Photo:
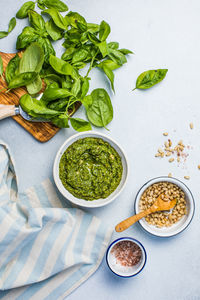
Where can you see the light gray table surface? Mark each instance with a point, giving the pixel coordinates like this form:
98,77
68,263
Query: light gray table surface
162,34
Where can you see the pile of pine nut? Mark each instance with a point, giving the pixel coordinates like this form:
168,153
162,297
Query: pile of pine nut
168,191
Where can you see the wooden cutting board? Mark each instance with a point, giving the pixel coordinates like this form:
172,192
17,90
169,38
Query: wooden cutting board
41,131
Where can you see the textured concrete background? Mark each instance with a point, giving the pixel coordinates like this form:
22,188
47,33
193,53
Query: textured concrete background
163,34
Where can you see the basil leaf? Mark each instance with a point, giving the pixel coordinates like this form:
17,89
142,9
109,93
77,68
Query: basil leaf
93,28
40,4
22,80
61,121
84,87
125,51
3,34
12,68
84,38
118,57
27,36
62,67
59,105
46,70
36,21
47,48
66,83
54,31
149,78
68,54
113,45
87,101
76,87
110,64
99,108
57,4
12,24
23,11
36,108
58,19
79,65
104,31
51,84
34,87
54,78
103,48
72,39
83,29
92,37
51,94
79,55
1,66
75,20
80,125
32,60
67,43
109,73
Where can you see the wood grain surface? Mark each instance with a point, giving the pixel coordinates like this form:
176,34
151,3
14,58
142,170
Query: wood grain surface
41,131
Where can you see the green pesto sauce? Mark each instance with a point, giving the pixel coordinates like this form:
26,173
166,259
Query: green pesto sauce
90,169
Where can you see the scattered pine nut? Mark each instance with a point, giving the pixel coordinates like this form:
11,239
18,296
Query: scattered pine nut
176,152
191,126
170,143
199,167
170,175
168,154
180,143
166,144
165,133
187,177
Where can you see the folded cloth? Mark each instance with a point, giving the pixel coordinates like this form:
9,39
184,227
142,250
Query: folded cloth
46,250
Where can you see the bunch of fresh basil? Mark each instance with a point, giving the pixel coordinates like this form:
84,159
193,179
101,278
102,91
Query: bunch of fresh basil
85,44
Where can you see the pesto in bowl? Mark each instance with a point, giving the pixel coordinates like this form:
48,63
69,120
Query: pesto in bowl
90,169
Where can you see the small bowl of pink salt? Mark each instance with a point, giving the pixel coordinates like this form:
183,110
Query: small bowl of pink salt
126,257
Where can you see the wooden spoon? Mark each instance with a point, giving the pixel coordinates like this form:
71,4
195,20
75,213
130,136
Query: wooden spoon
158,205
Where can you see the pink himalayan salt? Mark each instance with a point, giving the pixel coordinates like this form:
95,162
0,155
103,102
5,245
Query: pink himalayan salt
127,253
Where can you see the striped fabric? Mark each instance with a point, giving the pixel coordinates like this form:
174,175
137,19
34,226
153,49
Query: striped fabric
46,250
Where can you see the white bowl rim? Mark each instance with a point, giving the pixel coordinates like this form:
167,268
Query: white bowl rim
83,202
177,182
134,241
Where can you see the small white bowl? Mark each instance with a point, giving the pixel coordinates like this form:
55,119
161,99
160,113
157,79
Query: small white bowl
122,271
82,202
180,225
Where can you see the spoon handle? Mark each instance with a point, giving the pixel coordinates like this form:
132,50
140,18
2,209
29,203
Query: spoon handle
131,220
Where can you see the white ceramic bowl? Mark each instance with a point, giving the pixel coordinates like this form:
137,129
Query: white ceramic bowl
82,202
180,225
121,270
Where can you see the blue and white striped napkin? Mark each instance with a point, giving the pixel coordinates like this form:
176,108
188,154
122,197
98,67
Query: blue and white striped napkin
46,250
